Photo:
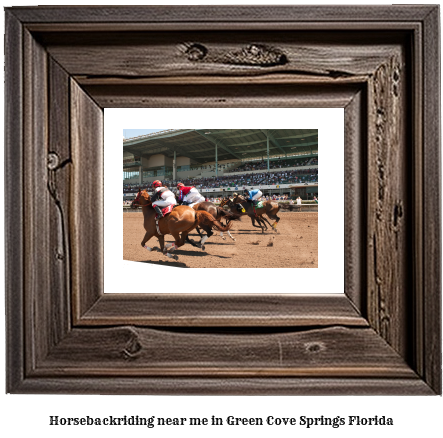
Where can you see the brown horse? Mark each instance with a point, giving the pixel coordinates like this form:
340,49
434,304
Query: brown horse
219,213
178,223
254,218
270,208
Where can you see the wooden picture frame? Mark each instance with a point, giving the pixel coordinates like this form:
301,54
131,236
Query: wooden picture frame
65,64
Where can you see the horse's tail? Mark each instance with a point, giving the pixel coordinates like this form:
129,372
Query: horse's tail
204,218
228,215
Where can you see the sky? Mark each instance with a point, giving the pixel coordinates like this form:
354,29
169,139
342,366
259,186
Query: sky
129,133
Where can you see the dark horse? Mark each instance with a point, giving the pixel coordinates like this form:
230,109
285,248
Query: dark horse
181,220
270,208
218,213
233,208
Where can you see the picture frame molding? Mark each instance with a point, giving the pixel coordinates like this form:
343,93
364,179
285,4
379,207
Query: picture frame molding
64,335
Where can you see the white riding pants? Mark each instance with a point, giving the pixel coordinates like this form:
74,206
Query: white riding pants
170,200
193,197
258,195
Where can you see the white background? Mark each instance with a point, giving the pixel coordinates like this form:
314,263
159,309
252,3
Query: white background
328,278
28,414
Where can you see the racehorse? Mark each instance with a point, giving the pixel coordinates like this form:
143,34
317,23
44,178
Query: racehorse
218,213
233,207
270,208
182,219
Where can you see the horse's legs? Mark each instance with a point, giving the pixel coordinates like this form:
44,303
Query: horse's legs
179,240
275,218
274,225
263,218
204,238
262,224
184,238
161,240
191,241
221,232
148,235
169,247
253,219
229,233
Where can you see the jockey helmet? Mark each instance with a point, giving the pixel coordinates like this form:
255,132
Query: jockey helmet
180,185
235,194
157,183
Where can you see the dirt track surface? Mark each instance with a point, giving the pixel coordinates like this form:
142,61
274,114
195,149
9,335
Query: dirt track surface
295,245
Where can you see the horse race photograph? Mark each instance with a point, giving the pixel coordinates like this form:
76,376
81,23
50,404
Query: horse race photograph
221,198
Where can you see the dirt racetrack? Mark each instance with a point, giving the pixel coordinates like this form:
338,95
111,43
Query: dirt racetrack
294,246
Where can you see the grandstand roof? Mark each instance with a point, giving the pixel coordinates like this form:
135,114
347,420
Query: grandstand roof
240,144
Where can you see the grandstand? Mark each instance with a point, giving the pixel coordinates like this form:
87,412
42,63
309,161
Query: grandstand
220,161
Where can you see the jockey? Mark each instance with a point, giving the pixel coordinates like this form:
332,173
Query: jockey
239,206
189,195
161,198
253,196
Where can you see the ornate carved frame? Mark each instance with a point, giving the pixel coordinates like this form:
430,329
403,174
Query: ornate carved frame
64,65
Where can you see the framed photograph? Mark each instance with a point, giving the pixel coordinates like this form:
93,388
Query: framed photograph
302,241
380,334
243,177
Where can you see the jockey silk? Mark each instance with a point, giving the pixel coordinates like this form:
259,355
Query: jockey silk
166,198
165,193
190,195
184,191
253,193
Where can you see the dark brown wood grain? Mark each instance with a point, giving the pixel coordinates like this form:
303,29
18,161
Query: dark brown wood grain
388,273
225,15
108,56
239,310
354,196
230,95
167,385
129,351
86,196
14,263
37,201
430,318
64,65
59,172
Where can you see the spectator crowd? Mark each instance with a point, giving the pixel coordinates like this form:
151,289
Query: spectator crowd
275,164
271,177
